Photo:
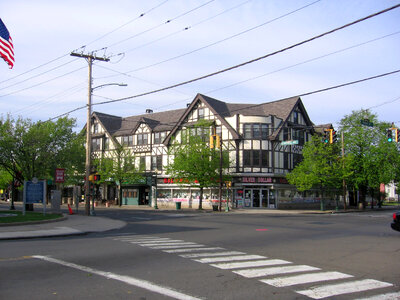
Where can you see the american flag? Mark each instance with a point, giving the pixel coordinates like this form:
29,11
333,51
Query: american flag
6,45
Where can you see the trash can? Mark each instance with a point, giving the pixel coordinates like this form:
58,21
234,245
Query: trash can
215,207
178,205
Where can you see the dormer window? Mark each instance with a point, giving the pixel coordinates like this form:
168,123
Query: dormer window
127,140
142,139
255,131
200,112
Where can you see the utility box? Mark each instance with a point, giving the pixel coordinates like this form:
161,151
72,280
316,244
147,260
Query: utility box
55,199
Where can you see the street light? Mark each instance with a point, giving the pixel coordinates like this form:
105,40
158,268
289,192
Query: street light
89,209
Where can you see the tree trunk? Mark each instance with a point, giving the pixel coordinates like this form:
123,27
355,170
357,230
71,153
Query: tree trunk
119,195
201,198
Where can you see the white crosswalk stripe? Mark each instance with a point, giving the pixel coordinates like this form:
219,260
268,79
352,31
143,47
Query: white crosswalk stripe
167,243
211,254
249,264
154,241
305,278
177,246
325,291
388,296
253,273
257,266
194,250
228,258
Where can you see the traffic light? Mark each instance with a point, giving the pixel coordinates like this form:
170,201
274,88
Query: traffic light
332,136
326,136
397,135
211,141
94,177
390,135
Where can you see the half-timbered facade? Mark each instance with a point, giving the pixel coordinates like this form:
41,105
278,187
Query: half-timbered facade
264,142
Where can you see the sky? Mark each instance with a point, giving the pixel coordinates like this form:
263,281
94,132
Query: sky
154,44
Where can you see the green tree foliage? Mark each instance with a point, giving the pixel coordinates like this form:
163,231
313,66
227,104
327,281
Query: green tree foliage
320,168
372,159
29,149
194,163
118,168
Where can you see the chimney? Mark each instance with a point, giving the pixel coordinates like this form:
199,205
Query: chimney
149,111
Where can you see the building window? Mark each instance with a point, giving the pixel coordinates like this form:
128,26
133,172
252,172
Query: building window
142,139
96,128
296,117
255,158
159,137
255,131
106,143
156,162
286,160
200,113
142,163
127,140
96,144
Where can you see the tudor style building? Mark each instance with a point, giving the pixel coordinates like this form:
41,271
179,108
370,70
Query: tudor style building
264,142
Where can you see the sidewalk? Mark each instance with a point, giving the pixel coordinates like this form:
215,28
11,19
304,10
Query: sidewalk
69,225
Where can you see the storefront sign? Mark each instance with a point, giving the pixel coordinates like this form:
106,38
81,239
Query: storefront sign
257,180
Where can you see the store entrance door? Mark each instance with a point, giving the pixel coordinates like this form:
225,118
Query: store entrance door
260,198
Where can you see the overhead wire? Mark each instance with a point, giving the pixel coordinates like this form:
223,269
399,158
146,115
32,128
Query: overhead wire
255,59
159,25
223,40
187,27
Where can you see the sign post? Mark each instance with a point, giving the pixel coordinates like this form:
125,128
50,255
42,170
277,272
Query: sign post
34,192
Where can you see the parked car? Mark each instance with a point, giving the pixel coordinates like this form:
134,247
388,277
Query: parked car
396,221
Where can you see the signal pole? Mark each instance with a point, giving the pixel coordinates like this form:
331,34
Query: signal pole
89,57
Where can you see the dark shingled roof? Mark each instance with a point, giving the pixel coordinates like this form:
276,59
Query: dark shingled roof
168,120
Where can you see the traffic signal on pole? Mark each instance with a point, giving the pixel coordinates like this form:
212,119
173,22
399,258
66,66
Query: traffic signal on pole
211,141
332,136
397,135
326,136
390,135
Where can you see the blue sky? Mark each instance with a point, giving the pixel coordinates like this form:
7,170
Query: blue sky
148,52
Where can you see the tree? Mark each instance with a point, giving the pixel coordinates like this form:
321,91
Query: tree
29,149
119,167
321,167
194,163
372,159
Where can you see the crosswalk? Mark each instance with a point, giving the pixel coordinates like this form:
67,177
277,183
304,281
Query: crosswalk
310,281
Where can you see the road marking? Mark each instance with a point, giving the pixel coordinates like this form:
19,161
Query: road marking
252,273
154,241
193,250
211,254
324,291
144,284
15,258
249,264
176,246
228,258
388,296
305,278
167,243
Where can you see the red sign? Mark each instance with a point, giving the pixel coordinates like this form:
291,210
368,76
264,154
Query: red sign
60,175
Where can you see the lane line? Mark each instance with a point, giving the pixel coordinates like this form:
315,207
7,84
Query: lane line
252,273
228,258
193,250
305,278
144,284
211,254
324,291
249,264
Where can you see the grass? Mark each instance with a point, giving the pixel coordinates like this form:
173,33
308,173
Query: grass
15,216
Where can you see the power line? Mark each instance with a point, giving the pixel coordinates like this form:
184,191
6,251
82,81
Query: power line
225,39
255,59
159,25
187,27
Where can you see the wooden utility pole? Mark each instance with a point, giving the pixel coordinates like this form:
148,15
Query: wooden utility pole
344,180
89,57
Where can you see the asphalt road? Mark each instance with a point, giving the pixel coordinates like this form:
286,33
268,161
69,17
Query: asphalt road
186,255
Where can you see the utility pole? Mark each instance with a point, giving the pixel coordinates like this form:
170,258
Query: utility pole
344,180
89,58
